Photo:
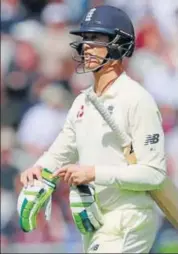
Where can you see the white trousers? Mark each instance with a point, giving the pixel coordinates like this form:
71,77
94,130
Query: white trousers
124,231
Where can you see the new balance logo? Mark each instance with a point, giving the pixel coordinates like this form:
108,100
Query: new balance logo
152,139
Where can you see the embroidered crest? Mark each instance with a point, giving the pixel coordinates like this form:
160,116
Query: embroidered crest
110,109
80,112
90,14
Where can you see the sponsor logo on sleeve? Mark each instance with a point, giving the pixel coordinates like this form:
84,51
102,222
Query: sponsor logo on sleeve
152,139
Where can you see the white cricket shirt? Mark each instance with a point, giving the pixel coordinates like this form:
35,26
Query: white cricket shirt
87,139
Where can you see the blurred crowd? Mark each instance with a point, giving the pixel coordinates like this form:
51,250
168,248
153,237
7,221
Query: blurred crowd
39,84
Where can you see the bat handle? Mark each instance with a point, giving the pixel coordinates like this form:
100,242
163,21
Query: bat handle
129,154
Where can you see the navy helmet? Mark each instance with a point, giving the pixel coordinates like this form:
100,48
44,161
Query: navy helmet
111,21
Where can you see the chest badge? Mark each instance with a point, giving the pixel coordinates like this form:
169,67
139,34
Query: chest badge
80,113
110,109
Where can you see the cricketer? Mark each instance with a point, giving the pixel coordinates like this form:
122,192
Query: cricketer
109,199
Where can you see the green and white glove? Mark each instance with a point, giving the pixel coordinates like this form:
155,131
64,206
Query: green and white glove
85,210
33,198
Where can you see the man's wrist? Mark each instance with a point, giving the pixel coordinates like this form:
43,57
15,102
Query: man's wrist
90,174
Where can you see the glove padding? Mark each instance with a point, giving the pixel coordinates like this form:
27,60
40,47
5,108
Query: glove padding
85,211
33,198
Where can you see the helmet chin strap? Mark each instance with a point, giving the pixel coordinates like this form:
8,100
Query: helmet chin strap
105,61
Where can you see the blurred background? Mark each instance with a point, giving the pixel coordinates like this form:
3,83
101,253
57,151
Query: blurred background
38,85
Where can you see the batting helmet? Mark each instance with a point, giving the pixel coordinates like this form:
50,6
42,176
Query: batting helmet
111,21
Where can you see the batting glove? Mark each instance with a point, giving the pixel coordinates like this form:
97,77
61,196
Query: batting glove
85,211
33,198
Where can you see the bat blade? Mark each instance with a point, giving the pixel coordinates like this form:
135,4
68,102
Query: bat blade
166,197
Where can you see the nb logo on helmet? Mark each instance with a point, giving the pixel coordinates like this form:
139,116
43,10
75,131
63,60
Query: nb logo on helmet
90,14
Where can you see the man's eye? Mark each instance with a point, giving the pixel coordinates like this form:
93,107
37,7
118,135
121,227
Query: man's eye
94,38
91,38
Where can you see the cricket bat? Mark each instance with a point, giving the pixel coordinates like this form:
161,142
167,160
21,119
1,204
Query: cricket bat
167,196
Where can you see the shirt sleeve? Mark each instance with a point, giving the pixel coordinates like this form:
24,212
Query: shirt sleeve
148,143
63,151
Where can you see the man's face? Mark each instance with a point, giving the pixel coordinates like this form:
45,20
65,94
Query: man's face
94,54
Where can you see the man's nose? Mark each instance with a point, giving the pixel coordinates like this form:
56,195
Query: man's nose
87,46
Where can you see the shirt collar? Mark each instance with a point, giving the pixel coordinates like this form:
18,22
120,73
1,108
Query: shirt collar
112,91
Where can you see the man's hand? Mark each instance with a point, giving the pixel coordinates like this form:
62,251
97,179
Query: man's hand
76,174
27,177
